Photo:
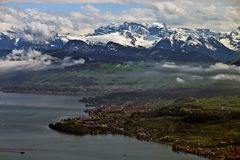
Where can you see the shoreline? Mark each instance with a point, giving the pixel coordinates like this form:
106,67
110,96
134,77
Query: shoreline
170,93
105,115
130,121
48,93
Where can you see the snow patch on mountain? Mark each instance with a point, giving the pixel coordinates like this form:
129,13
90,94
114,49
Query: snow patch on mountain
126,34
227,43
112,37
210,47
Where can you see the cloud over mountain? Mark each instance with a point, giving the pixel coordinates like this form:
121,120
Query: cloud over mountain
217,15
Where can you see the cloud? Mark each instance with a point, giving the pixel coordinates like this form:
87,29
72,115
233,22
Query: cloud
25,60
196,73
199,14
68,61
196,77
226,77
62,1
90,9
218,71
31,56
180,80
35,31
80,1
208,10
31,24
218,67
184,68
221,66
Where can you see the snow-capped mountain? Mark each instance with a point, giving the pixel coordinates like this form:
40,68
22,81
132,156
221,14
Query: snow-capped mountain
9,41
136,35
149,35
231,40
128,34
133,39
217,45
6,42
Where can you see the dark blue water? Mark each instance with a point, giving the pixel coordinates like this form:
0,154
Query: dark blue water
24,122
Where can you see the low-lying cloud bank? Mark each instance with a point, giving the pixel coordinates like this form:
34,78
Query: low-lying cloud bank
33,56
196,72
22,60
227,77
25,60
199,68
32,60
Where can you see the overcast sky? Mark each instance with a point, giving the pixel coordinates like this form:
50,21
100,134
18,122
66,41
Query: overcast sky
41,17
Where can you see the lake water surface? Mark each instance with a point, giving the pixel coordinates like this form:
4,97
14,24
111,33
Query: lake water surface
24,120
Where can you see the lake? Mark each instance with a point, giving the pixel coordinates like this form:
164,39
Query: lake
24,120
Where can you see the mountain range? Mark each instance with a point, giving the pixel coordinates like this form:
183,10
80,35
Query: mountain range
134,42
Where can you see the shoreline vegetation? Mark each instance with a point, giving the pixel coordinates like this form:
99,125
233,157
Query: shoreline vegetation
204,126
207,125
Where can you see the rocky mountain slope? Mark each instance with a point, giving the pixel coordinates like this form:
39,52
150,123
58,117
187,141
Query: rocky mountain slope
135,41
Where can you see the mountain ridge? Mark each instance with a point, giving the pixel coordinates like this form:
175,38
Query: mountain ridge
139,40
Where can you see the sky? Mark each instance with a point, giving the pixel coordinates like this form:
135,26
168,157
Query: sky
79,17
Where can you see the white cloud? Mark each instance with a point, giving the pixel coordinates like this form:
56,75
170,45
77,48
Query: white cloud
31,23
216,15
226,67
90,9
22,60
226,77
180,80
185,68
29,55
196,77
218,67
68,61
35,31
218,71
25,60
